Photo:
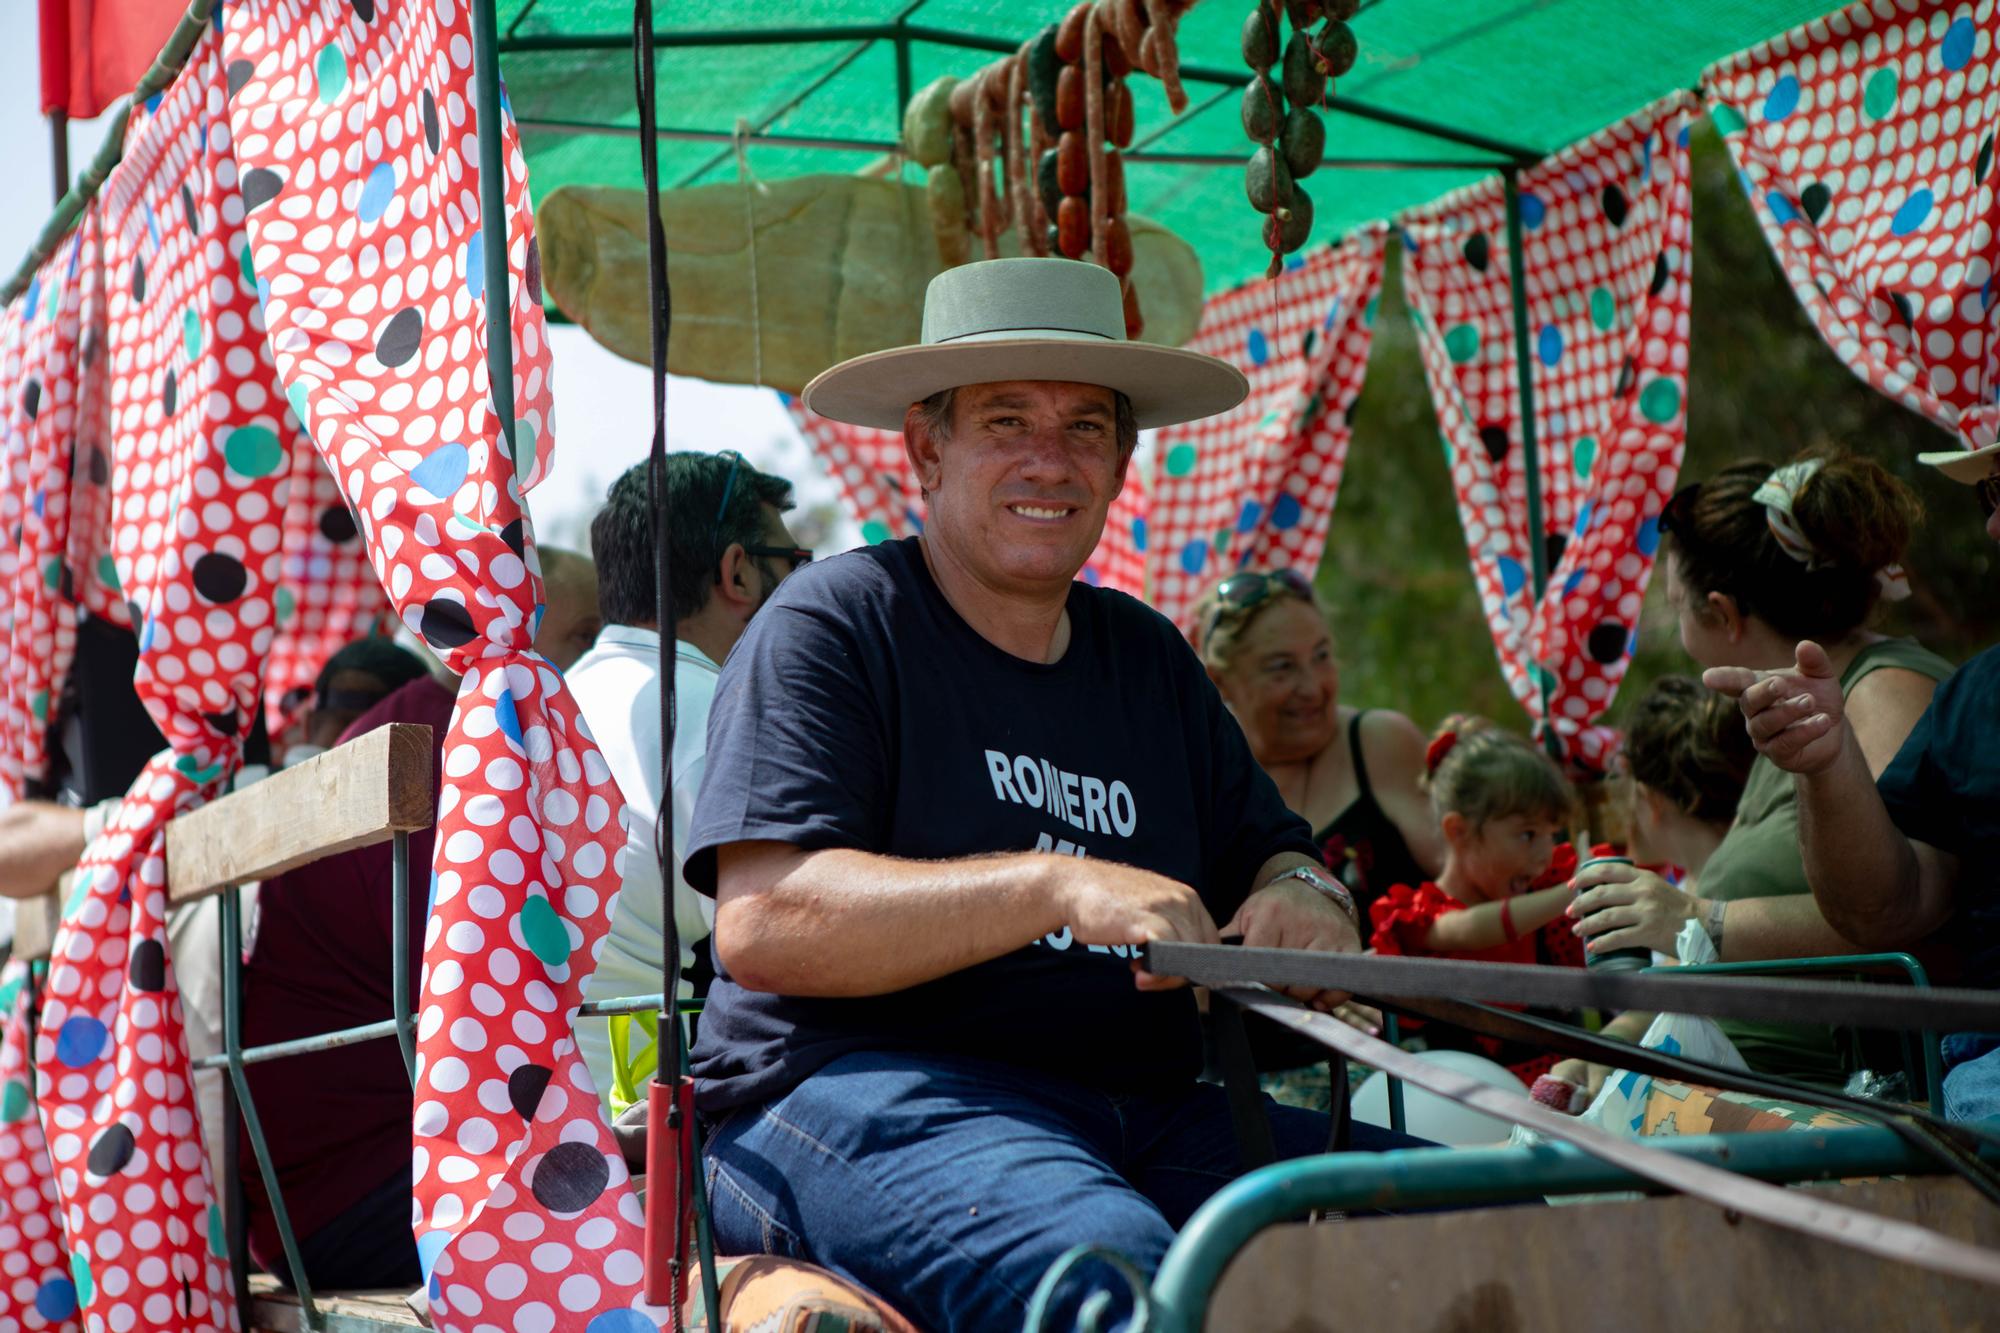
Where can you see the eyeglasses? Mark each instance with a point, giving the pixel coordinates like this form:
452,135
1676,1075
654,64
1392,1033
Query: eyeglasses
1242,592
798,555
1988,489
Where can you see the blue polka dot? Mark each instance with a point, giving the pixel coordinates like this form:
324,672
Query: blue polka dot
1409,241
1648,540
1139,534
1285,512
34,294
507,716
443,471
1781,208
1092,577
1583,517
376,194
1252,511
1571,583
1916,210
1956,48
152,226
1259,351
81,1041
621,1321
916,520
475,266
55,1301
1683,139
1549,345
429,1246
1295,263
1533,210
431,898
1194,556
41,504
1783,98
1512,579
146,635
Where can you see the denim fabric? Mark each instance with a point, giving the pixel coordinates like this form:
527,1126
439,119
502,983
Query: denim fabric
948,1185
1972,1076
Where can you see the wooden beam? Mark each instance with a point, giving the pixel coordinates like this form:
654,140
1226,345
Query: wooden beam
35,922
352,796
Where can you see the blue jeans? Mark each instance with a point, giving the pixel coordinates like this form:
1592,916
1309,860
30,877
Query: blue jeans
948,1185
1972,1076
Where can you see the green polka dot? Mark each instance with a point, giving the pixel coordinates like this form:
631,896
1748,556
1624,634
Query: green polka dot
331,71
52,572
39,705
1180,460
107,573
1221,543
14,1102
284,604
1603,308
1417,317
79,890
875,532
525,441
253,451
1544,679
249,269
1726,119
543,931
1462,343
1660,400
55,291
295,394
1583,454
191,332
9,993
79,1271
1878,95
194,769
1369,311
1445,440
218,1244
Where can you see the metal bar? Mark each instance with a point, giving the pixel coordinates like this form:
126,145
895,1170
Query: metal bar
1340,163
235,1206
1392,1032
1437,1178
553,126
493,216
704,1220
697,38
1531,458
59,151
1856,1004
526,10
399,949
232,1047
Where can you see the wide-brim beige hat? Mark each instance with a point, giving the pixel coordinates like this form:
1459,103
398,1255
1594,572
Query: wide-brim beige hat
1026,319
1970,466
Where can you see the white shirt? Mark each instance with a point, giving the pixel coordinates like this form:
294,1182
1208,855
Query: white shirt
615,685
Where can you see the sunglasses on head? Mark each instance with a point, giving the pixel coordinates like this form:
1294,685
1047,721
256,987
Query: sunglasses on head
1242,592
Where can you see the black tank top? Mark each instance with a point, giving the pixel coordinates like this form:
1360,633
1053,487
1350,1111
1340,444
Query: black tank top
1361,845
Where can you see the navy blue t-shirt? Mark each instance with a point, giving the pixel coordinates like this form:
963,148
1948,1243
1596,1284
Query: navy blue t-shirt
1943,788
860,711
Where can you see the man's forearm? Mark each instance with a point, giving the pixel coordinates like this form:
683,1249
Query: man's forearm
1862,870
39,840
1790,927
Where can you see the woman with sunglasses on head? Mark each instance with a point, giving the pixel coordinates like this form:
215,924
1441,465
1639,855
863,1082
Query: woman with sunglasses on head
1758,559
1351,773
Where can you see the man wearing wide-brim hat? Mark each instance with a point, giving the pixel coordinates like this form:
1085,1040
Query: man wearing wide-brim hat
1894,859
950,790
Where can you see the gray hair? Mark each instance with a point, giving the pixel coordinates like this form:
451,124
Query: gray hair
935,413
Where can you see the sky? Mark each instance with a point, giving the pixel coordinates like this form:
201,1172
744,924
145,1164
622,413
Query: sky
603,418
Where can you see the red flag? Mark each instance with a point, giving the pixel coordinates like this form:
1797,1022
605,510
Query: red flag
93,51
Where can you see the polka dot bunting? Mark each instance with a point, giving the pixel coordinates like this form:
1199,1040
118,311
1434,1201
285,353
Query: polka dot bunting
1887,148
379,333
1607,270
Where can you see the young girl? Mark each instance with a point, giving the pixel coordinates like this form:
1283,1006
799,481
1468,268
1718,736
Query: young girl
1505,810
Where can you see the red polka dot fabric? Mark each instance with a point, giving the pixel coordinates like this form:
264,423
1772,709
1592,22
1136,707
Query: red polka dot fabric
356,146
1607,256
1866,145
36,1288
880,489
1254,488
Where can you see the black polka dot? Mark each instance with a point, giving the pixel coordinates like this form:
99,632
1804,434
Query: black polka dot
400,337
1607,641
65,581
220,578
570,1176
110,1150
1905,308
1615,207
1306,343
187,207
170,393
149,967
1495,440
138,278
100,466
69,463
239,73
363,9
31,399
336,524
430,120
1314,403
446,624
534,270
92,347
1478,251
512,535
228,724
1814,199
1627,376
1985,162
260,186
1553,546
525,1086
1660,275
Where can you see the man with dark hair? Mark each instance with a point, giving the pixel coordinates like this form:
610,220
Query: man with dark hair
728,550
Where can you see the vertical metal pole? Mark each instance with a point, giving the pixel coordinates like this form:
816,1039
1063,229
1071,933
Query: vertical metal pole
236,1216
1393,1034
1531,459
59,151
903,76
399,936
493,213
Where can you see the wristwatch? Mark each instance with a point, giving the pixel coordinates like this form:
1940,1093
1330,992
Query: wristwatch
1315,878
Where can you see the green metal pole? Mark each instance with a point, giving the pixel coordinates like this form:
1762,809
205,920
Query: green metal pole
493,214
399,948
1531,458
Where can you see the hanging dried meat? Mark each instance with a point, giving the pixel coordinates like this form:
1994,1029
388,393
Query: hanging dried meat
1291,79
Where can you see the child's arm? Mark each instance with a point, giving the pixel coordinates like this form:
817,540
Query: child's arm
1474,929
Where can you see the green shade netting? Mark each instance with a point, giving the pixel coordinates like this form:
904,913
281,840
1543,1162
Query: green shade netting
1535,75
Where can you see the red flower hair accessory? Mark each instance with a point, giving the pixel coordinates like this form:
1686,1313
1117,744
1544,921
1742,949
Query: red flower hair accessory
1439,748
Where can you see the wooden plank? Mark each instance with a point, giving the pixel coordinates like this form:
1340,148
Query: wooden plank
275,1310
35,922
352,796
1650,1266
